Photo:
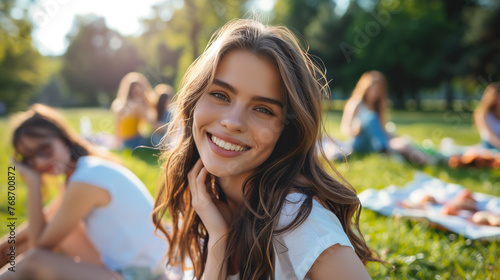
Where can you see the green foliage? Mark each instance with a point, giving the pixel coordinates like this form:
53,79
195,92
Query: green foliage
178,34
22,68
96,60
418,44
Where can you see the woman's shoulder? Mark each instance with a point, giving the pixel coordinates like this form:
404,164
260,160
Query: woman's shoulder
300,245
94,166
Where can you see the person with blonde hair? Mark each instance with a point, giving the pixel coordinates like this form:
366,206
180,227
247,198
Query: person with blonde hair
364,120
246,190
487,117
134,109
101,218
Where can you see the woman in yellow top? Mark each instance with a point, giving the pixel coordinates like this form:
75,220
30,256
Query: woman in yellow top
134,110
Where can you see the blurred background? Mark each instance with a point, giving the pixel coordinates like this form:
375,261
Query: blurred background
438,57
437,54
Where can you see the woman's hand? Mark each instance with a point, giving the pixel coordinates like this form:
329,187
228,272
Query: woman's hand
31,177
206,205
209,209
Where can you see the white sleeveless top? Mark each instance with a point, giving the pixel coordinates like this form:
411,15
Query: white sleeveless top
122,231
494,124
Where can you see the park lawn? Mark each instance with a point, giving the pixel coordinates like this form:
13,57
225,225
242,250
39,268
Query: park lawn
415,250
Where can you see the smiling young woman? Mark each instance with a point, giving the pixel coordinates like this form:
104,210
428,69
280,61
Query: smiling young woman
245,187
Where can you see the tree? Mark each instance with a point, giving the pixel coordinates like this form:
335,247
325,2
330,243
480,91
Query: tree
483,43
96,60
178,34
21,66
417,46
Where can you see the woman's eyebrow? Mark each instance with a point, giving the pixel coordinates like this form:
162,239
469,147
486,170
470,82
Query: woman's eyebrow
268,100
225,85
256,98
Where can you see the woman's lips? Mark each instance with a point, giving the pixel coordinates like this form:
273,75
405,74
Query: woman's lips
230,149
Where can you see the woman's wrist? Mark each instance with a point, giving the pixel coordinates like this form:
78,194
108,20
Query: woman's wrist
217,243
34,184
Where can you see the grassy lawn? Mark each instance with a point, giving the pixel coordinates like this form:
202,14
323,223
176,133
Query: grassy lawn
415,249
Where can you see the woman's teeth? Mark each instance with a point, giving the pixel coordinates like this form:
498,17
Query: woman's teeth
226,145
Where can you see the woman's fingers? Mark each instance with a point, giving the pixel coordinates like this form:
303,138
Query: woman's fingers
203,203
196,179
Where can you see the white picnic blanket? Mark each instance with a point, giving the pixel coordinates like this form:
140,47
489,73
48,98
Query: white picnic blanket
387,202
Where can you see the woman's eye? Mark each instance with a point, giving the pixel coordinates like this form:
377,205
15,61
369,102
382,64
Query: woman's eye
220,96
264,110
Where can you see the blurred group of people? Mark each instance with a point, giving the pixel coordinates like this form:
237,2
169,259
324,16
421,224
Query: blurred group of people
364,121
141,111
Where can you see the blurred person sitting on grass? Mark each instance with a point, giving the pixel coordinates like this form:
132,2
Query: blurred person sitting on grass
134,107
364,119
100,220
487,117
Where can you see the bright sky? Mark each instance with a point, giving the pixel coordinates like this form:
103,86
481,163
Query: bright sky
53,19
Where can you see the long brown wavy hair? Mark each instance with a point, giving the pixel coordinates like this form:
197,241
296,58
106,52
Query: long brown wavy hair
295,155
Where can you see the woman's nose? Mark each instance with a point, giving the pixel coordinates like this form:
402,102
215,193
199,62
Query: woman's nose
234,119
39,162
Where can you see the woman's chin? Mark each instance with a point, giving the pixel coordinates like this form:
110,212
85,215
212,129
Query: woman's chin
225,170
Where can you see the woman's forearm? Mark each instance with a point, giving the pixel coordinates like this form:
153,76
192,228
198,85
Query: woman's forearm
36,216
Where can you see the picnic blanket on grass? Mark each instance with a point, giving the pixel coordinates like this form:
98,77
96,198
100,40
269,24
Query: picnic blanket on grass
388,202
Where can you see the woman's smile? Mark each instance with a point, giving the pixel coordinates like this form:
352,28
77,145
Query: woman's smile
228,147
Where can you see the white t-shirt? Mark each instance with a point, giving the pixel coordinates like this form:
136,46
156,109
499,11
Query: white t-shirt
122,231
297,250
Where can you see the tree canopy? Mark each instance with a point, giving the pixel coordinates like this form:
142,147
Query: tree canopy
442,46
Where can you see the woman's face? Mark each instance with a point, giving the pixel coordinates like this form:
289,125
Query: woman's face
238,121
136,92
48,155
373,93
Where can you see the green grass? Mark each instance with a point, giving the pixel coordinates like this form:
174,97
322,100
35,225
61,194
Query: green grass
416,250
